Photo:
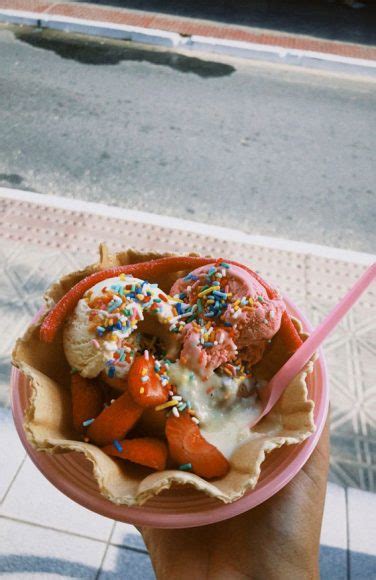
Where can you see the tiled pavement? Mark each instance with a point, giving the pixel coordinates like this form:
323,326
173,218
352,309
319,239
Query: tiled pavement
43,534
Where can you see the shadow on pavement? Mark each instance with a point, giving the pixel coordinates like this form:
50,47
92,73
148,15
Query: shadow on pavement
95,52
329,19
333,565
337,564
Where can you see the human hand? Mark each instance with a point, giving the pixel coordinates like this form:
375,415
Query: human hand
277,540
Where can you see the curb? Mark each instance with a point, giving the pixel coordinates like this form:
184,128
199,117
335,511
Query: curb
273,53
219,232
93,28
289,56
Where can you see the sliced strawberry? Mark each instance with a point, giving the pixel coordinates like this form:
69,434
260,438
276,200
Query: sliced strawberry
144,451
87,400
278,351
115,421
187,446
153,422
144,384
289,334
114,383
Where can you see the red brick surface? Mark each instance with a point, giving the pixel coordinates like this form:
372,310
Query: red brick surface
116,16
33,6
191,27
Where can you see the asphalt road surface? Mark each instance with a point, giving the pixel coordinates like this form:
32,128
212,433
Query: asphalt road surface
266,149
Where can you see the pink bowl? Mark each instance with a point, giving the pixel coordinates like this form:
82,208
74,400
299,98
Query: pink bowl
71,473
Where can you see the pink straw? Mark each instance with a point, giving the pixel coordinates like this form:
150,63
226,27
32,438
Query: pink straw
274,389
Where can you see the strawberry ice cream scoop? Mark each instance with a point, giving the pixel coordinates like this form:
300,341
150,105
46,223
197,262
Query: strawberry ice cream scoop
231,316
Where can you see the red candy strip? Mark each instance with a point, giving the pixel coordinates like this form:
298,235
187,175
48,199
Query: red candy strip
67,303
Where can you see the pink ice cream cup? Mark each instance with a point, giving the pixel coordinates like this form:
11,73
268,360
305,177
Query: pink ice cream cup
71,473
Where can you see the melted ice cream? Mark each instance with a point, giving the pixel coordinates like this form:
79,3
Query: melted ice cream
224,416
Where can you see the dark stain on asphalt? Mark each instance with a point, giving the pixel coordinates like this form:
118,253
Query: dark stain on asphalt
11,178
95,52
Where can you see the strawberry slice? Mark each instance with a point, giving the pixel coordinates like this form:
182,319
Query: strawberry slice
187,446
153,422
143,270
144,384
144,451
87,400
115,421
277,353
114,383
289,335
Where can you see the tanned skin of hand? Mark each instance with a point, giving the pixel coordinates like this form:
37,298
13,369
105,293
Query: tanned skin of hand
278,540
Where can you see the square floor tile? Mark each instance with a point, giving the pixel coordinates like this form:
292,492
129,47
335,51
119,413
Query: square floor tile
28,551
12,452
362,566
332,564
333,549
362,521
34,499
127,535
334,525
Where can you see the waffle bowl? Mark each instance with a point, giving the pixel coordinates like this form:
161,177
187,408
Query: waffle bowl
180,506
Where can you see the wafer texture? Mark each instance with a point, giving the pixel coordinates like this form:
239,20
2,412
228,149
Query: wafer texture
48,419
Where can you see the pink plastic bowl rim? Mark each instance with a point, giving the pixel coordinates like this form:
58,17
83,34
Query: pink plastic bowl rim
143,515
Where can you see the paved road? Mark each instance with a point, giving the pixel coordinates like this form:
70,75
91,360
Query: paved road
269,150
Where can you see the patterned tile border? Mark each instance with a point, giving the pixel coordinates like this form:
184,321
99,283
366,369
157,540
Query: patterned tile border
188,27
57,203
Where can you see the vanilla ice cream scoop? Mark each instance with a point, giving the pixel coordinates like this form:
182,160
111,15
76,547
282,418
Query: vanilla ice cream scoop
100,334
